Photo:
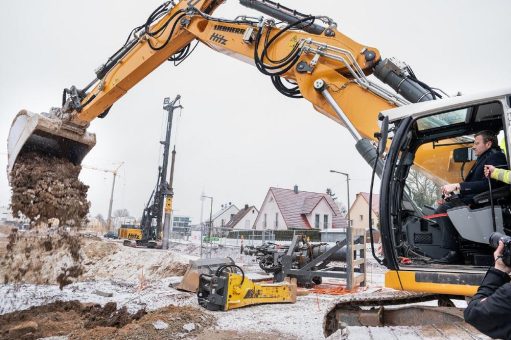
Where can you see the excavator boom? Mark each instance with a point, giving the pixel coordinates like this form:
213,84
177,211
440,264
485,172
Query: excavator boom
305,57
293,53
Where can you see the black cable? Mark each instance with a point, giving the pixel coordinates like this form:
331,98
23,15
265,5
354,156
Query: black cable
276,36
289,60
281,66
414,78
292,92
155,15
225,266
182,54
380,261
161,29
283,60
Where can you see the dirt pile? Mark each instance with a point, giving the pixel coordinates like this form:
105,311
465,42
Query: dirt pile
91,321
113,261
42,258
46,187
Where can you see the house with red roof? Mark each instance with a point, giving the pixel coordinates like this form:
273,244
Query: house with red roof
244,219
285,209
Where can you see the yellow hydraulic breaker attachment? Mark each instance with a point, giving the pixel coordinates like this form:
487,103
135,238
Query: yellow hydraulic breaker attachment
226,290
190,281
48,134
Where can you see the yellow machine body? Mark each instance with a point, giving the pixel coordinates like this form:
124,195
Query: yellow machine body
447,283
248,292
130,233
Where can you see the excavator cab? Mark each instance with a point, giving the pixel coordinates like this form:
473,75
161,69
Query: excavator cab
408,197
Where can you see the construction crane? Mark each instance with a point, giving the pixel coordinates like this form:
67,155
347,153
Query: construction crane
114,172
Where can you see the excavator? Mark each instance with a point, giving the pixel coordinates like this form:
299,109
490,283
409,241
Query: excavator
306,56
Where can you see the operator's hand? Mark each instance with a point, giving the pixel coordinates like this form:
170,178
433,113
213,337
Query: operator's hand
448,188
499,263
488,170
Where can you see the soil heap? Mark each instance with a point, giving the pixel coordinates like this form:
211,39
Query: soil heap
41,258
46,187
91,321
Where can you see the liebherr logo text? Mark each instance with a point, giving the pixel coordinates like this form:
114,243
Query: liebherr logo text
218,38
229,29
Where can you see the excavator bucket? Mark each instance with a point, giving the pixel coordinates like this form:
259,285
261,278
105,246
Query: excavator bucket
43,133
190,281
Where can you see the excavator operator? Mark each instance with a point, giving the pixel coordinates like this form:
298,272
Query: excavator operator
488,152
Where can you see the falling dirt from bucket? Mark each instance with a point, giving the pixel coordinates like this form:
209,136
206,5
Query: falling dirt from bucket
46,187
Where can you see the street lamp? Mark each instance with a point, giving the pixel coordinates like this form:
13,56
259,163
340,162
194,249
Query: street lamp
350,256
210,222
348,185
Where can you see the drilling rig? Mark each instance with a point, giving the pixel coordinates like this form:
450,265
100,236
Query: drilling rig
151,223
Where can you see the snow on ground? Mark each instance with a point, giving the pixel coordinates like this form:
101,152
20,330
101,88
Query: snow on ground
144,278
134,295
304,319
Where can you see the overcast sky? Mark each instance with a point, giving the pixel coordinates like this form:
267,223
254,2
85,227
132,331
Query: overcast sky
236,136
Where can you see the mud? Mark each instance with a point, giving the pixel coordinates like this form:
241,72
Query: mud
45,187
42,257
91,321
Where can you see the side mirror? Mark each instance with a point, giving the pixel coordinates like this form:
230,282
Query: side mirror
384,134
463,155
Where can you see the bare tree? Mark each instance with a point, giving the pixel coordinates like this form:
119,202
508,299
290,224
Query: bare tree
331,193
100,219
423,190
121,213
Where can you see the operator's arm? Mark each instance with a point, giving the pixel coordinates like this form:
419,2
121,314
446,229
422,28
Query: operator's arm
502,175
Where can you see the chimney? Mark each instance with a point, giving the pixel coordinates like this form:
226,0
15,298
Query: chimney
230,203
246,206
296,189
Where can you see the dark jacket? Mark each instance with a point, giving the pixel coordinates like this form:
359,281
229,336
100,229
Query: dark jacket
475,181
493,315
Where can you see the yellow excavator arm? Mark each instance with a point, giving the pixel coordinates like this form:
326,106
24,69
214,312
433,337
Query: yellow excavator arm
303,58
311,57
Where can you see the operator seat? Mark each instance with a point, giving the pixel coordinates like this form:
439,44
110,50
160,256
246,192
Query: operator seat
476,224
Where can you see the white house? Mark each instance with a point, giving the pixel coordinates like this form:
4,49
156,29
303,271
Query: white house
359,213
222,217
244,219
284,209
5,214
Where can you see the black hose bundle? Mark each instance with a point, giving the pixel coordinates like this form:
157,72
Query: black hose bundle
276,68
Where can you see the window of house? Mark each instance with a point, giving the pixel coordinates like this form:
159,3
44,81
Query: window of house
361,217
325,221
223,221
316,222
265,221
276,220
247,224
